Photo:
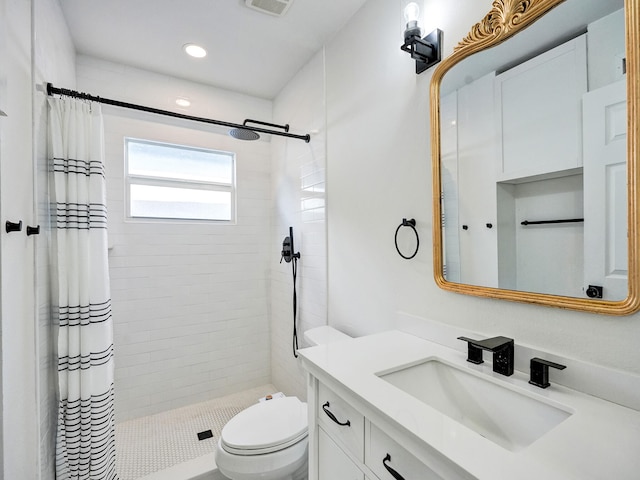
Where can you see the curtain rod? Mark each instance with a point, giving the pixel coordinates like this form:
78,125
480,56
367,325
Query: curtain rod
51,90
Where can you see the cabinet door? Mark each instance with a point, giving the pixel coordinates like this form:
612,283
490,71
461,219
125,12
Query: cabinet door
539,112
341,421
333,463
477,150
389,460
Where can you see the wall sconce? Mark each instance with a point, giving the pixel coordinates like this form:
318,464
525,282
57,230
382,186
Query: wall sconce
425,51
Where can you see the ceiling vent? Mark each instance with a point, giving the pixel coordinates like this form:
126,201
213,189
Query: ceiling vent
270,7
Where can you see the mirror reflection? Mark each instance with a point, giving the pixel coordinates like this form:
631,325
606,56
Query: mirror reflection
533,147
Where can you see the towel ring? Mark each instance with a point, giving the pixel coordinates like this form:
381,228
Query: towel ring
412,224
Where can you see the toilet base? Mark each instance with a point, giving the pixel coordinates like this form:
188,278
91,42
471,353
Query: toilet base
288,464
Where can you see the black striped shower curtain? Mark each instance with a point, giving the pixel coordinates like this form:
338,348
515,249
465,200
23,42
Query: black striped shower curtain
85,439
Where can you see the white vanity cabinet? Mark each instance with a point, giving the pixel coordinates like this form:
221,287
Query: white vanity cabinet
333,462
345,444
395,432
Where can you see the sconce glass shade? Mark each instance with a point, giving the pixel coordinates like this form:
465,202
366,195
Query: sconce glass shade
425,51
411,12
411,15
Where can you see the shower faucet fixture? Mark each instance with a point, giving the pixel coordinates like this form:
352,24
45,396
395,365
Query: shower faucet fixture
288,253
242,133
502,348
425,51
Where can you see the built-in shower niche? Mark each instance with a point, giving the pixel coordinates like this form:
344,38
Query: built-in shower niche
541,257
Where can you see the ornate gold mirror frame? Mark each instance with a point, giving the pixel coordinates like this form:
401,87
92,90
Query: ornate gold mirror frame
506,18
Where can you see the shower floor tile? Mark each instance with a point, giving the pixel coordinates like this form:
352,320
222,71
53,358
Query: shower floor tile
149,444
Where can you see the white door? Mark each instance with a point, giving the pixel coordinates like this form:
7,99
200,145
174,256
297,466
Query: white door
605,190
17,297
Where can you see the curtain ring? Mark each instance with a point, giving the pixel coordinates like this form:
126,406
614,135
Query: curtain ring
407,223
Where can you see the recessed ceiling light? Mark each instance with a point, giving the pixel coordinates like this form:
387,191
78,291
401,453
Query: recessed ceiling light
195,50
183,102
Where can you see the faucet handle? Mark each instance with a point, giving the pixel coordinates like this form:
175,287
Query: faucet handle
474,351
539,375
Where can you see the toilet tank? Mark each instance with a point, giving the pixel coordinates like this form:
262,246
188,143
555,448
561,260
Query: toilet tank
323,335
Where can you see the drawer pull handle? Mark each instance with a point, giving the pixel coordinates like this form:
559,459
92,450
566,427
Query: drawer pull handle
325,407
393,473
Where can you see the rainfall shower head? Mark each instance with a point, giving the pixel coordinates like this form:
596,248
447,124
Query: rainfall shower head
244,134
248,134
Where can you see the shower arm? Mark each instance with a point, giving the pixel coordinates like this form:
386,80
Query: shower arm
258,122
51,90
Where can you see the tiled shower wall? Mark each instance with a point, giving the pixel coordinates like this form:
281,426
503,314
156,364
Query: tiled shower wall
190,300
299,193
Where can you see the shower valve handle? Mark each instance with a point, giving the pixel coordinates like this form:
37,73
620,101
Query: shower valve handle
287,251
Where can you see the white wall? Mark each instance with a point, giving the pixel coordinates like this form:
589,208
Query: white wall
190,301
378,171
29,56
541,250
19,406
54,61
605,50
299,200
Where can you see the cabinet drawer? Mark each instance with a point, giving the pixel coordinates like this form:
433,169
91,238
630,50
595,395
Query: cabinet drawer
341,421
333,463
385,455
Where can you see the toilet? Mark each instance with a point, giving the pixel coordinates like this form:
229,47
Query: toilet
268,440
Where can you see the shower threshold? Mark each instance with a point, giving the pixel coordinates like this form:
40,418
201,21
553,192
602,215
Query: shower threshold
165,446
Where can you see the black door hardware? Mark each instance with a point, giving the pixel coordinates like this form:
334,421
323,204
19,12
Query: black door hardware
594,291
13,227
330,414
33,230
539,375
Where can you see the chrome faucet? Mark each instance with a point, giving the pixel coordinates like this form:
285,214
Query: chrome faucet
502,348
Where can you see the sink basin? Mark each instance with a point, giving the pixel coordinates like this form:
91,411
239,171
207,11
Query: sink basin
490,407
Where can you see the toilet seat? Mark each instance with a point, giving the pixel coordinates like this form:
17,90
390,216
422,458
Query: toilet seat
266,427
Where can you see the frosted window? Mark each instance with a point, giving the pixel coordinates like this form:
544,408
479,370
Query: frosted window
178,182
178,162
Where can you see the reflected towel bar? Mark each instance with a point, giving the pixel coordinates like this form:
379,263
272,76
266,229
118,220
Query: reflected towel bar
540,222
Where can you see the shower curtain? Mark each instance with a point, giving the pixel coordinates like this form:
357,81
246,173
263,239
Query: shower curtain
85,439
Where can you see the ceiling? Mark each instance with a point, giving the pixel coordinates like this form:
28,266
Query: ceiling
248,51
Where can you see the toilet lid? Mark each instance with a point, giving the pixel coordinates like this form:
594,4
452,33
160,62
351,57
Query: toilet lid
266,427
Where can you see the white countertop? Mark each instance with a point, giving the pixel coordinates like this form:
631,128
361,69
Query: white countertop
600,440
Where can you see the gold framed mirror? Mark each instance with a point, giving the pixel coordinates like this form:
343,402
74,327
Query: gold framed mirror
519,216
